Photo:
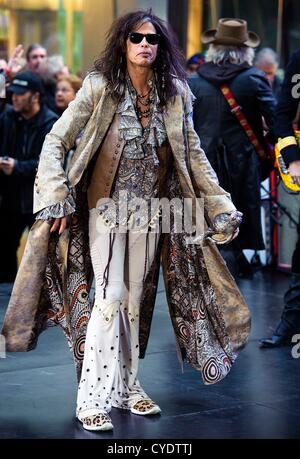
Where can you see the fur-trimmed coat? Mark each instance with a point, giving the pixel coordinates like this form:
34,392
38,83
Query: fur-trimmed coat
210,318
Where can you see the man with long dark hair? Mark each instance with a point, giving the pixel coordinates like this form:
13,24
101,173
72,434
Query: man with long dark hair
138,145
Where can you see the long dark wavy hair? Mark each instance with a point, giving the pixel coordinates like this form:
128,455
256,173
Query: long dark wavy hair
169,63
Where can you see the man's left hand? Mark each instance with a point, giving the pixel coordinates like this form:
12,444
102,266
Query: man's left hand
8,165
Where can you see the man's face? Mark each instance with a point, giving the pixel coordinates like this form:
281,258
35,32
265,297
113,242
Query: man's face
142,54
192,68
270,71
35,58
22,103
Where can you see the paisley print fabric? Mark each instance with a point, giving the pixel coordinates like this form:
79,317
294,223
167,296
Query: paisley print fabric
71,283
52,286
197,320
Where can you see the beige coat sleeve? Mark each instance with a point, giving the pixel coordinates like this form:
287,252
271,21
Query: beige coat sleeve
51,179
205,181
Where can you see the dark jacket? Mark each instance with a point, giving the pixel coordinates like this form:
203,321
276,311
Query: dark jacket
276,86
226,144
22,139
287,106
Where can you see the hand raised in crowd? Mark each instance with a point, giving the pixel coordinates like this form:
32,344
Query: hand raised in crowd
3,70
3,65
15,63
60,223
7,165
294,170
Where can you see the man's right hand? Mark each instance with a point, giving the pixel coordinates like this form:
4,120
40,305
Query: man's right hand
294,170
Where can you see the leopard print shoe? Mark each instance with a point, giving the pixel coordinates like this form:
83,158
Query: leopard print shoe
100,421
145,407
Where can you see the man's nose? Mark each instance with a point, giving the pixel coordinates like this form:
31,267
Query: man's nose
144,42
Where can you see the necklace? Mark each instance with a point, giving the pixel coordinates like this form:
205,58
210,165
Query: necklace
143,113
142,100
145,102
140,96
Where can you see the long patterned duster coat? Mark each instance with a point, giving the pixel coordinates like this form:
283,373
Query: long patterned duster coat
210,318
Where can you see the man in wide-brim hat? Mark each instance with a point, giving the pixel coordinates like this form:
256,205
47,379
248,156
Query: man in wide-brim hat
229,61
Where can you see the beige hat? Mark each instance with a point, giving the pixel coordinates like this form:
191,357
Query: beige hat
231,32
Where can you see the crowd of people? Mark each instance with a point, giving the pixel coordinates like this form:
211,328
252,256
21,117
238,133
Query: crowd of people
38,90
236,97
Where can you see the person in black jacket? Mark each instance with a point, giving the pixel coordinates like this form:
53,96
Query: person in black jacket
23,127
267,61
229,150
286,113
3,83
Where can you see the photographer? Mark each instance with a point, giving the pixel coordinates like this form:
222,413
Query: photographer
23,128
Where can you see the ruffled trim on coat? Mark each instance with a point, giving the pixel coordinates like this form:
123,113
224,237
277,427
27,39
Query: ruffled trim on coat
59,210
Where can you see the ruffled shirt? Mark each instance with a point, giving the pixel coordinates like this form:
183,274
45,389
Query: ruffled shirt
136,181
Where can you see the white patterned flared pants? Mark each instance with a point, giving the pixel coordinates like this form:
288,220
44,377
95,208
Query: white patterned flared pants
110,366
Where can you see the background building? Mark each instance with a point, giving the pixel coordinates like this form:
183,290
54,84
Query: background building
73,28
76,28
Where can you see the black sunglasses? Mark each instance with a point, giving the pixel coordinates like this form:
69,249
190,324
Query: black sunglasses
136,37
